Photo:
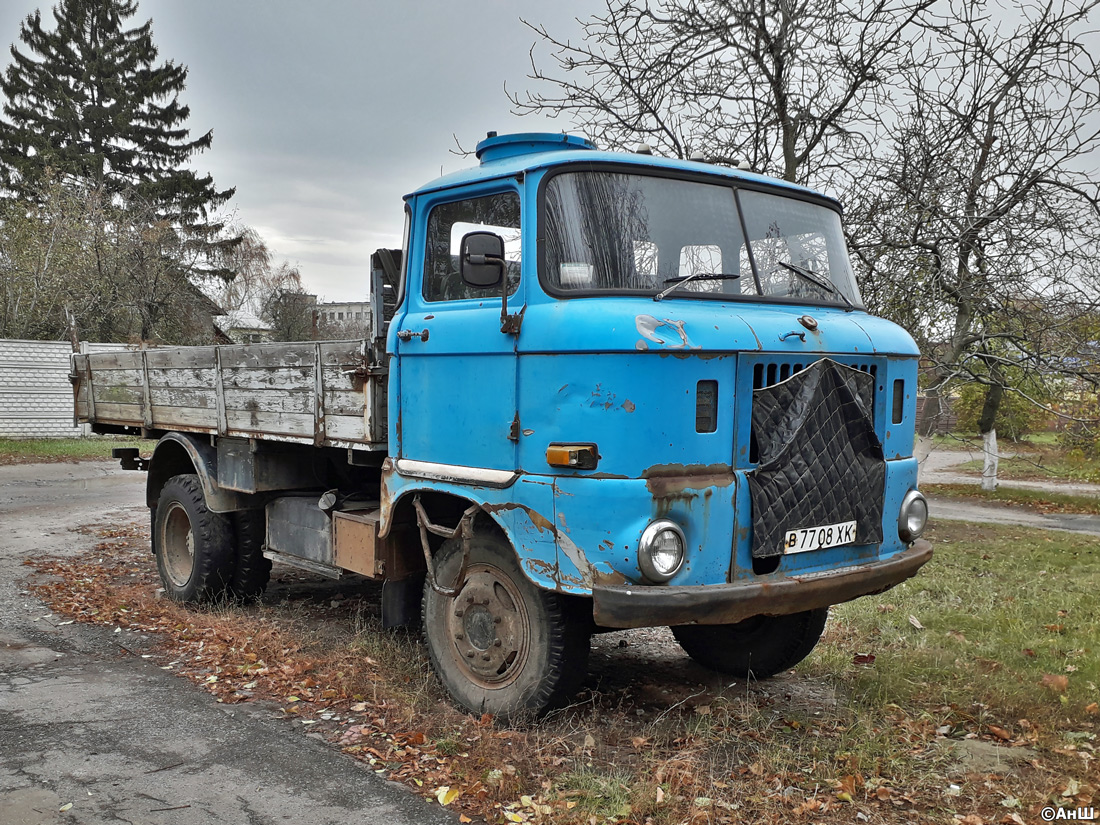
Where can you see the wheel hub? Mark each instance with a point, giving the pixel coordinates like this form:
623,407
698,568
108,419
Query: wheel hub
179,546
489,626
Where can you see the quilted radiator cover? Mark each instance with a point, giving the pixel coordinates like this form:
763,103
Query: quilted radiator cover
820,460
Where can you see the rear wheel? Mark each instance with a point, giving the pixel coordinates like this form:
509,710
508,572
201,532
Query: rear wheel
502,645
193,546
761,646
252,570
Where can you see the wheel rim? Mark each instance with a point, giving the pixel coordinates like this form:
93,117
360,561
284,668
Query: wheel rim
177,543
489,627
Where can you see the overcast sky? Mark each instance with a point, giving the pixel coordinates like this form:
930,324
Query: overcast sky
326,113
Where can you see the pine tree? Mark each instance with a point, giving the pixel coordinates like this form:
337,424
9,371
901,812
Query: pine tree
89,105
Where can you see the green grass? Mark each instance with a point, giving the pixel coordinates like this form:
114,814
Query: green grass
33,450
1031,442
1002,609
1048,465
1040,500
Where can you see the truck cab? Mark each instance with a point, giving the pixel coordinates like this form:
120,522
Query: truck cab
661,391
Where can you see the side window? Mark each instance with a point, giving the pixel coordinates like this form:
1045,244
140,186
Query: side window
448,223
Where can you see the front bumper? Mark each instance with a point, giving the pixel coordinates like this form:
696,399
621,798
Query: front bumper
653,606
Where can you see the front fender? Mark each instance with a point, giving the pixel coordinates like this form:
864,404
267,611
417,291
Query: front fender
523,508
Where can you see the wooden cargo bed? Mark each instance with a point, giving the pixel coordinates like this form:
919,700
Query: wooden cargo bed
324,393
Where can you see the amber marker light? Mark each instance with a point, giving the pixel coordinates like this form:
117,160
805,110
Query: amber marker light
573,456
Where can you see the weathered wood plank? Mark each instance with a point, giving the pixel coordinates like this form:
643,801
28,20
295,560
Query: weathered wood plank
201,358
118,393
175,417
115,413
270,378
122,359
347,428
200,398
258,422
293,401
117,377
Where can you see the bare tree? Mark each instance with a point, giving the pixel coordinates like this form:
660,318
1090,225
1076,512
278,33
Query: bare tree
288,308
957,132
796,88
981,230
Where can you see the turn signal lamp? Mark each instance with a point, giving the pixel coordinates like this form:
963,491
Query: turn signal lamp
573,456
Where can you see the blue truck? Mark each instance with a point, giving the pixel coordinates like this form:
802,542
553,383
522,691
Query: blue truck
608,390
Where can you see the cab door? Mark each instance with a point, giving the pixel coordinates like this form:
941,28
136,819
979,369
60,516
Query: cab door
457,369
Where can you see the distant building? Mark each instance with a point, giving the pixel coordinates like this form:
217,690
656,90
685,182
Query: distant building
342,319
243,328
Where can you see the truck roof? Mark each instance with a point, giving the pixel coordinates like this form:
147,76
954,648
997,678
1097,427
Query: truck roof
509,155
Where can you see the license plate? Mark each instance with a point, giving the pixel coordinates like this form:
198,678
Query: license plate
816,538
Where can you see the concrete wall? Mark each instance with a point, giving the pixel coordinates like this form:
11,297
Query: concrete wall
36,398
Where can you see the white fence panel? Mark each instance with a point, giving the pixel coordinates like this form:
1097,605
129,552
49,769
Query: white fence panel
36,398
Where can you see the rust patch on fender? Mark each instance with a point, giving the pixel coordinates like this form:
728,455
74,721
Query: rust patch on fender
669,480
613,578
628,405
540,521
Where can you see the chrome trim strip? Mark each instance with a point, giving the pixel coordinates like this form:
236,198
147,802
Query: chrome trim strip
455,473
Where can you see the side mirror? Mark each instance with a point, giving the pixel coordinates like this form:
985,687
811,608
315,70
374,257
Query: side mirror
481,259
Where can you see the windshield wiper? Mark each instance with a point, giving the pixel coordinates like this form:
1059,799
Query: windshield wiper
817,280
695,276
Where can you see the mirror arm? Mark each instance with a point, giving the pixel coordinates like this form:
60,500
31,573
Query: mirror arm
509,324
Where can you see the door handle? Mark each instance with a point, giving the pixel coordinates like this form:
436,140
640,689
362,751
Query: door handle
408,334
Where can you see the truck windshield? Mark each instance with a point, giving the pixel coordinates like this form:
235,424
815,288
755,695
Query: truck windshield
621,232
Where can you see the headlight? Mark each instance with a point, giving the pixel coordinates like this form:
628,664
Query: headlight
913,515
661,550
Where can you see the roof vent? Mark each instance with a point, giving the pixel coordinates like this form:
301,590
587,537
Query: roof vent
498,147
699,156
643,149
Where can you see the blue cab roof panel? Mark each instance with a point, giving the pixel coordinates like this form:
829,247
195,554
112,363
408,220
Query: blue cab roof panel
508,155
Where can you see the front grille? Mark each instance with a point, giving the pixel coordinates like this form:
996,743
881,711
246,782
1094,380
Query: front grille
819,459
777,369
773,372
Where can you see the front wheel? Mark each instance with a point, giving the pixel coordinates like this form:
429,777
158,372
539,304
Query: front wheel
761,646
501,646
194,546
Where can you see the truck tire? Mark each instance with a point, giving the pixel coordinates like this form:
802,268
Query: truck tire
761,646
194,547
501,646
252,570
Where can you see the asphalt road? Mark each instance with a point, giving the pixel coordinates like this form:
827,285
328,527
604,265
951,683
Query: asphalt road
83,721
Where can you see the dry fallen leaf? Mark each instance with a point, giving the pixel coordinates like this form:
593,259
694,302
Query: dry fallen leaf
1000,733
660,795
1092,708
1056,684
913,620
446,795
